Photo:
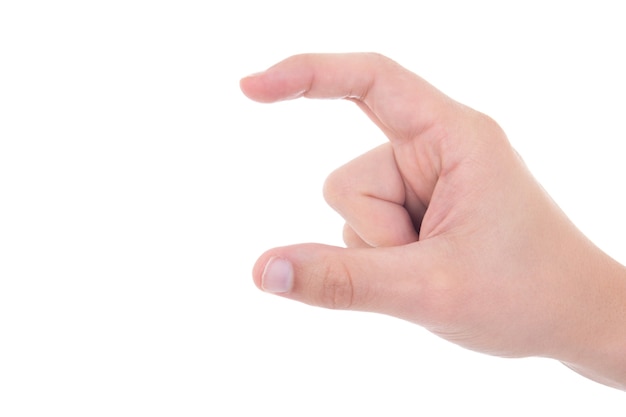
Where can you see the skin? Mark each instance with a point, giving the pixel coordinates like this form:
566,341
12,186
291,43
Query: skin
447,228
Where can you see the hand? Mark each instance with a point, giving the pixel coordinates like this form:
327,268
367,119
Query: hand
446,228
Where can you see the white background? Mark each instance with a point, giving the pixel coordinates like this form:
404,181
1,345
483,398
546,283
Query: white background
138,186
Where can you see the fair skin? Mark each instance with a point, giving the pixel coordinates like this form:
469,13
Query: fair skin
446,227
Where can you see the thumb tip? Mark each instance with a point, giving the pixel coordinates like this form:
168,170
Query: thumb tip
315,274
277,276
274,270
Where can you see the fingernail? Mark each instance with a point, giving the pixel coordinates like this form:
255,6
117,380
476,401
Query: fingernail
277,276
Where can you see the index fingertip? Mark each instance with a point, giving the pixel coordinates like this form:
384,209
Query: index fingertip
255,87
245,82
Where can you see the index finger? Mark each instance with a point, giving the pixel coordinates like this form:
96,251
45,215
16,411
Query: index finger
401,103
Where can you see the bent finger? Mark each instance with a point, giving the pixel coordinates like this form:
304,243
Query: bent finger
369,193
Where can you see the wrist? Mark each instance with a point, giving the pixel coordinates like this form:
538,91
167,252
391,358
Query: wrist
598,346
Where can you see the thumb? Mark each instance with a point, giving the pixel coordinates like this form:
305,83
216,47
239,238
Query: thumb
389,280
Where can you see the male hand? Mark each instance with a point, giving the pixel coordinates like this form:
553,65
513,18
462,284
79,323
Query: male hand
446,227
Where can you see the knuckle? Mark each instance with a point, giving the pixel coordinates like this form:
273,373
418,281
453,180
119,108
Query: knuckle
493,132
337,188
336,287
379,59
376,56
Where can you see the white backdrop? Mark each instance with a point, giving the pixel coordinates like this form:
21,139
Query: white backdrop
138,186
